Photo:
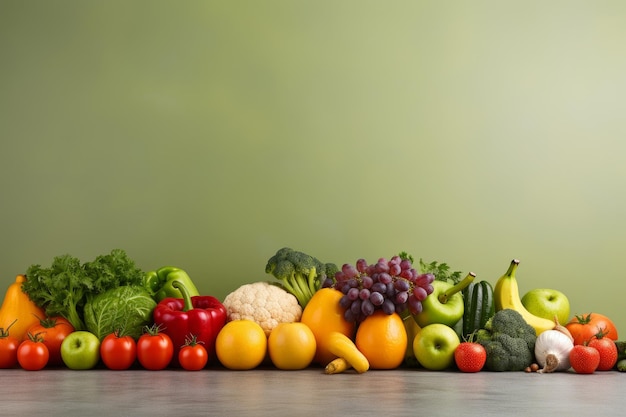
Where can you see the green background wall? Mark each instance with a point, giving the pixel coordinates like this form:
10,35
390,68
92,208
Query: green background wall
208,135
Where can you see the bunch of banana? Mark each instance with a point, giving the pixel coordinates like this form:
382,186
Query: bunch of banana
506,295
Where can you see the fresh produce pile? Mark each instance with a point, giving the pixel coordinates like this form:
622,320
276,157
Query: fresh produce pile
387,314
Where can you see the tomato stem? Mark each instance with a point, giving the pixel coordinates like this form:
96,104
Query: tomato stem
5,332
192,340
602,331
48,322
581,319
153,330
35,337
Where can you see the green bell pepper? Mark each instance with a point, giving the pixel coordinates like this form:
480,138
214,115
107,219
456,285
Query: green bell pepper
160,283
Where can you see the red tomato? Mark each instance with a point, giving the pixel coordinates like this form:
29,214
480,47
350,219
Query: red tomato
584,359
53,330
193,356
470,357
585,327
32,354
155,349
8,348
607,350
117,351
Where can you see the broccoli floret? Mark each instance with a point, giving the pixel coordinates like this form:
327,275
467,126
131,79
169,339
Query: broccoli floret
330,270
508,340
299,273
512,323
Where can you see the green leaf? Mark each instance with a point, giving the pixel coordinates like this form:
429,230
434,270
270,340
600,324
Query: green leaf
441,271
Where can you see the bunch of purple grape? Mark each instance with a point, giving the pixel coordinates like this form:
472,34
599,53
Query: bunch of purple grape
389,285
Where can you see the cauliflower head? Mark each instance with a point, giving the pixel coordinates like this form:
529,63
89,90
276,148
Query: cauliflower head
264,303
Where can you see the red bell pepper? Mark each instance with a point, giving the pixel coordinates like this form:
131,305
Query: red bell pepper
199,316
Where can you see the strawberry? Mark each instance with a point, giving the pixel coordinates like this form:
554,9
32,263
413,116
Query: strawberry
470,357
607,349
584,359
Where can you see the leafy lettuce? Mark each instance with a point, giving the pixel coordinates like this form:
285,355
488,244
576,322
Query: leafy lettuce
66,286
126,309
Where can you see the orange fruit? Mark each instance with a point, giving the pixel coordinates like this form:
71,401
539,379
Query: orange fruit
383,339
291,346
323,315
241,345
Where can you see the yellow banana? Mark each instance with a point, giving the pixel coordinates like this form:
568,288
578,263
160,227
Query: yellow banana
506,295
337,366
342,346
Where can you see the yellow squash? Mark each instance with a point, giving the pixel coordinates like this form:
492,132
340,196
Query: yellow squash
344,348
18,309
324,315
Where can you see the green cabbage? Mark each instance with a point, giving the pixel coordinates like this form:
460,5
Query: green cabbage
126,309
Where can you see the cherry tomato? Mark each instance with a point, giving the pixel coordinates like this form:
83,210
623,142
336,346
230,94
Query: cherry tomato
586,326
154,349
192,356
584,359
470,357
8,348
608,352
53,330
32,354
118,351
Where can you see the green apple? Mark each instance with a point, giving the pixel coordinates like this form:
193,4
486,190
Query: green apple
80,350
547,303
434,346
445,304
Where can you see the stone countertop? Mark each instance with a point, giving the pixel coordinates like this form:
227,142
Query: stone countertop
271,392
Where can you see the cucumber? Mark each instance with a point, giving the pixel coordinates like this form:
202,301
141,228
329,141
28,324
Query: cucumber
478,306
621,349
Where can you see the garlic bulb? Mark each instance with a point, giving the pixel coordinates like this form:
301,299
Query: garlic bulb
552,350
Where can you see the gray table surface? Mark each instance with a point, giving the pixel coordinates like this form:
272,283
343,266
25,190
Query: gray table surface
268,391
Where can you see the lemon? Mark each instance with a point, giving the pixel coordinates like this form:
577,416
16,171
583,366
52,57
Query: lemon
241,345
291,346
